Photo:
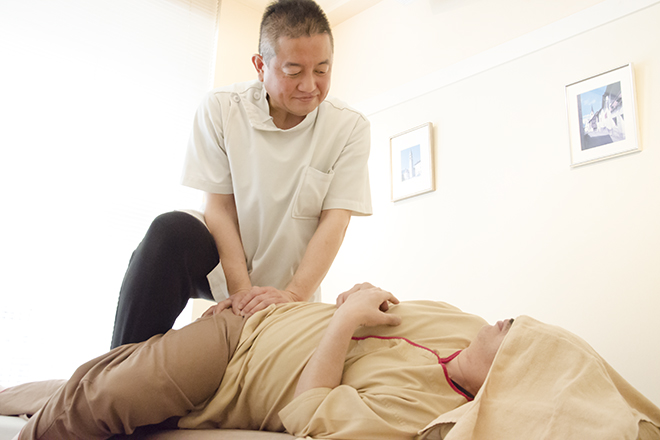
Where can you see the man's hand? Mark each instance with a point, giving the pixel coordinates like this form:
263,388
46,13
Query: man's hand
258,298
249,301
229,303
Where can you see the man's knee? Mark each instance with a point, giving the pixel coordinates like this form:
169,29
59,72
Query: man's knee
176,231
172,224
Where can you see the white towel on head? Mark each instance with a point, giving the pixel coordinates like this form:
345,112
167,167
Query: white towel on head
547,383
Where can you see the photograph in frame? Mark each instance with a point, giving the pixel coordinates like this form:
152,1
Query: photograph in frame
602,117
411,162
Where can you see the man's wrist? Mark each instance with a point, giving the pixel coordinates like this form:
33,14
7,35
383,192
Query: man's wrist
297,294
294,296
243,289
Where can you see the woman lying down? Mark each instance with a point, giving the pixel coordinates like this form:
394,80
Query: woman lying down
370,368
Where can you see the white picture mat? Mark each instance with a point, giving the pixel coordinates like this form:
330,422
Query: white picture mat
630,144
418,136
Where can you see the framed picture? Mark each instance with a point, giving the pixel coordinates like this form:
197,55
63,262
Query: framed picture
411,162
602,118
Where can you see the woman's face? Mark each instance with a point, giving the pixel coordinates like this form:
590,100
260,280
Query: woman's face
484,347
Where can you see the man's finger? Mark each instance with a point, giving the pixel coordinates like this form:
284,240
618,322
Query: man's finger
246,299
222,305
255,306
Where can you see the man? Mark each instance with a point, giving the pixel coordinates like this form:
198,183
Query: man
368,368
283,167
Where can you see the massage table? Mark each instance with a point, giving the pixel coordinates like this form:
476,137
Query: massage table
10,426
545,383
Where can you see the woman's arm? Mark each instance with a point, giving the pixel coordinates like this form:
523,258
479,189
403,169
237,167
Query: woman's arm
363,308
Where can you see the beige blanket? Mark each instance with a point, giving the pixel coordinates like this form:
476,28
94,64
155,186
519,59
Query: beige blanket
547,383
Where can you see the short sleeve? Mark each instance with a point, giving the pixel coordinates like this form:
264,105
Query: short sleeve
350,187
206,165
338,413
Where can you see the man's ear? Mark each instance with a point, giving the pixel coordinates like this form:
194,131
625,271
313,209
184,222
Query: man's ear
259,65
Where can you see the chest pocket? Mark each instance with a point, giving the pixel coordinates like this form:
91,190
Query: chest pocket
310,194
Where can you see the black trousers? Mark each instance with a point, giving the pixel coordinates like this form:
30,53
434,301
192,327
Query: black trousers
168,268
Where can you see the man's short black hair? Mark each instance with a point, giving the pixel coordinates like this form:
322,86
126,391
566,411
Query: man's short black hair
291,19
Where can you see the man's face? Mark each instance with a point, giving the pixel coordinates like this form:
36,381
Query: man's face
297,79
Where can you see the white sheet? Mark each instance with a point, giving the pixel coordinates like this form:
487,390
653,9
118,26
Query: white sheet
10,426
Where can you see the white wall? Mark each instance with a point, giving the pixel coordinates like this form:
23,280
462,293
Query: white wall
396,41
511,228
96,109
238,40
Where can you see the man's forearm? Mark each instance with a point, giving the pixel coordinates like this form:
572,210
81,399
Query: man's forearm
320,253
222,221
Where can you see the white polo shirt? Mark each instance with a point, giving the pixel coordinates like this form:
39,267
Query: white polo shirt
281,179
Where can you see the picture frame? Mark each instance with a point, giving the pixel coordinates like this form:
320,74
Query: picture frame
412,169
602,116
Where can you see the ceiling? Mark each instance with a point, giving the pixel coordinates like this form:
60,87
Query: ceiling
336,10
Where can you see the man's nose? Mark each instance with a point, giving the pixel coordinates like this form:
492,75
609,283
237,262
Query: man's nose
307,83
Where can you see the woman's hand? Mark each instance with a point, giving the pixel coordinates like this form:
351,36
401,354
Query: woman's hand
343,296
366,306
